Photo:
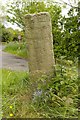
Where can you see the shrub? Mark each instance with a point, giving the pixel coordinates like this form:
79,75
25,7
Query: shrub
58,97
8,34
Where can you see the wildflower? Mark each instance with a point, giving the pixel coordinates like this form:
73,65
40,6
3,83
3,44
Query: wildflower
11,115
11,107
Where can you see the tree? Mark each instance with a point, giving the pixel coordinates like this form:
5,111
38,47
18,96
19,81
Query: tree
18,9
71,34
8,34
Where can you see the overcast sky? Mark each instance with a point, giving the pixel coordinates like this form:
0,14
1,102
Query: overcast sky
64,11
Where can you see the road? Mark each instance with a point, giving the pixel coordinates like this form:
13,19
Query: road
12,62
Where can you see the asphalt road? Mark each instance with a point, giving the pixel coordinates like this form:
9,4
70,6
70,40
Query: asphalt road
12,62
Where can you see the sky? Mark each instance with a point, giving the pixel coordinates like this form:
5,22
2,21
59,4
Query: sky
64,11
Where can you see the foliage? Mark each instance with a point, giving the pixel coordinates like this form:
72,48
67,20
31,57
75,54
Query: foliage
64,29
71,35
58,97
17,48
8,34
54,96
19,9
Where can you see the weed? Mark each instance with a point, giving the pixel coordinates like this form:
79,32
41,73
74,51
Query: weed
56,98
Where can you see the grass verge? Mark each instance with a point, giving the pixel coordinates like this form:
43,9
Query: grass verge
14,88
0,94
17,48
56,98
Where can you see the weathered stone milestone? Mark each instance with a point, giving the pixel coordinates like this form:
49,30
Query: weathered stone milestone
40,42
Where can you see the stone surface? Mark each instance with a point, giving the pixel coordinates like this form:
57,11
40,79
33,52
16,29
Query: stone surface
39,43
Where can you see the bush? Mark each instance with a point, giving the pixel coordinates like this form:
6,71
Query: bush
58,97
8,34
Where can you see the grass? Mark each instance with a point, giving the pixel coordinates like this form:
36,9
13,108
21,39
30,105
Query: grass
17,48
13,90
0,93
60,99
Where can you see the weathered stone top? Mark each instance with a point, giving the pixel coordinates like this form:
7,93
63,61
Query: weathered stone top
38,20
28,16
40,17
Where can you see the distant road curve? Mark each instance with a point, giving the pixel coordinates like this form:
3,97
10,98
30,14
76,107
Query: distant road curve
12,62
